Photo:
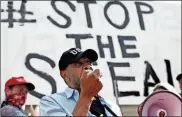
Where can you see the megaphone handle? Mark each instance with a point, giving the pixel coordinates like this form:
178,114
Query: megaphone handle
114,115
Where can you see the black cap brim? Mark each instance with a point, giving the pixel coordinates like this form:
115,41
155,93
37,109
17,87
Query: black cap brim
89,53
30,86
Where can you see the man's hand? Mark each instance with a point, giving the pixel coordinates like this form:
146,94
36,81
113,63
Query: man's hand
90,83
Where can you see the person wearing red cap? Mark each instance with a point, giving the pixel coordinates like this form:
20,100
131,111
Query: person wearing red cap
16,89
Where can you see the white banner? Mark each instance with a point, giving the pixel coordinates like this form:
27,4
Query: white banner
138,43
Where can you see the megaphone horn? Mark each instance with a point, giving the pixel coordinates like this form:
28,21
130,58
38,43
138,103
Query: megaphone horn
161,104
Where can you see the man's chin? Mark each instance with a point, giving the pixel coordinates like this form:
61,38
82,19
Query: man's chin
77,88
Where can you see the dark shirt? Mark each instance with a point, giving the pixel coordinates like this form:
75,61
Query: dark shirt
97,108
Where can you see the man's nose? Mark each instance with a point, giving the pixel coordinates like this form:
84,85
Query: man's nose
88,67
25,91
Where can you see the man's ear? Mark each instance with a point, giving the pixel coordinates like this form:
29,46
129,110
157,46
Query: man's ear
63,74
7,91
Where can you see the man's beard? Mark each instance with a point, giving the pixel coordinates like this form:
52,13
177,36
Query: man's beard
74,83
77,83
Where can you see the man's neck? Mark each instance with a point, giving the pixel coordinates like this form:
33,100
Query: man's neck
79,90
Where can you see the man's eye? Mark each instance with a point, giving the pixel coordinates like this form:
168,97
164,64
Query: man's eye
89,62
77,64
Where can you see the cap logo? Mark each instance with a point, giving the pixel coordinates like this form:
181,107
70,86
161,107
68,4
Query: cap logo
75,51
20,80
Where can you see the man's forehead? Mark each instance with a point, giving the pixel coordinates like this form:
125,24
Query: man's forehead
84,59
21,86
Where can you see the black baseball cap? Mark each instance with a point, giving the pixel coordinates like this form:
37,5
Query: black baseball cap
74,54
179,77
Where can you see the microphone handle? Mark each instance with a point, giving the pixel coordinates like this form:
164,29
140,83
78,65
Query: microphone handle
114,115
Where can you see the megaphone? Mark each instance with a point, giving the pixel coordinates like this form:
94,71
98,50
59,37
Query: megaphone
161,104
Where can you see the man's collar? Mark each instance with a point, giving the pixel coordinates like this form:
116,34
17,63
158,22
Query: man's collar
75,94
69,92
72,93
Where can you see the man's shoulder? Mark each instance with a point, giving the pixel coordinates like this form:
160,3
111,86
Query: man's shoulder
63,95
115,107
112,103
54,96
56,100
9,110
8,107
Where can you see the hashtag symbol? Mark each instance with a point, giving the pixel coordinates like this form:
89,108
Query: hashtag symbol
10,15
22,12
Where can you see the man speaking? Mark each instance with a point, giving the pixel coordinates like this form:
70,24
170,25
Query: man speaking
81,97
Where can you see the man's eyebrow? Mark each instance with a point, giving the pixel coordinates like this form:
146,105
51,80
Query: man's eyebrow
85,61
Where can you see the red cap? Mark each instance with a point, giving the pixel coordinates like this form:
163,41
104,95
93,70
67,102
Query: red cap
19,81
